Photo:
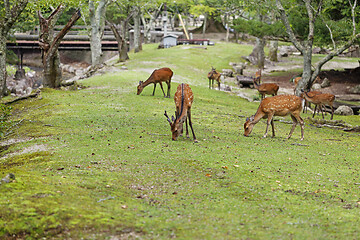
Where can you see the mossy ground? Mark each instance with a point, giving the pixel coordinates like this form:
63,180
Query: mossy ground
104,164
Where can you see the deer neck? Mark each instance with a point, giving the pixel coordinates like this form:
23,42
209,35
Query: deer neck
256,84
258,115
212,74
148,81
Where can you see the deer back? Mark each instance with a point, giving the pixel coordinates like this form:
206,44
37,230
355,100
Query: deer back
268,88
319,98
281,105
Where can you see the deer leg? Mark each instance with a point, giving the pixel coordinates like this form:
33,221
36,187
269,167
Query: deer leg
270,116
169,86
218,83
321,109
273,127
190,123
187,130
154,89
314,110
332,112
162,88
295,121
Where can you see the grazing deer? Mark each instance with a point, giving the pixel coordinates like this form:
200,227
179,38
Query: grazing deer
320,100
157,76
265,88
214,75
183,100
281,105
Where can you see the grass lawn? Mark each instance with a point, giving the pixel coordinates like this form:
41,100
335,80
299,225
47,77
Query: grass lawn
99,163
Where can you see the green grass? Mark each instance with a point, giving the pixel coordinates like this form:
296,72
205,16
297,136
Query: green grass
106,165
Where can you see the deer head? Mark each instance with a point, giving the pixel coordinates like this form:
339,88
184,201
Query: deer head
248,126
176,125
140,87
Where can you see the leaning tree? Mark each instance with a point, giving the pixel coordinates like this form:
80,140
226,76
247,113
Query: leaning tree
315,13
49,44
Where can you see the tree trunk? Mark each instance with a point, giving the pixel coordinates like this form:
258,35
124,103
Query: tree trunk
137,31
204,25
49,45
258,55
97,22
6,22
122,46
273,51
3,74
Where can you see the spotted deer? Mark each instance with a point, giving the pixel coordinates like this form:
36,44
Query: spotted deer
281,105
265,88
157,76
214,75
320,100
183,101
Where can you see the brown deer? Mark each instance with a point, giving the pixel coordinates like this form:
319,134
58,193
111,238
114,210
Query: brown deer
183,100
265,88
214,75
281,105
157,76
320,100
308,104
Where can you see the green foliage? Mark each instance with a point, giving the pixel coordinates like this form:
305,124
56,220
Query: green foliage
258,28
5,112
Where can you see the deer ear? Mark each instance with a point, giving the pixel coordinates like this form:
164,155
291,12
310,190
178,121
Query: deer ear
252,118
247,119
140,82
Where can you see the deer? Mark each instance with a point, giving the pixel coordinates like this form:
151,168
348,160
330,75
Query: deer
214,75
320,100
280,105
157,76
265,88
308,104
183,101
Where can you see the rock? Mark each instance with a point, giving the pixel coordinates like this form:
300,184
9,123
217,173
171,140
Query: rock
355,90
325,83
9,178
19,74
28,90
227,88
344,110
227,72
316,86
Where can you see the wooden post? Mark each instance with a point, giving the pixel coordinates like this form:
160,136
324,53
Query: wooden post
183,25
